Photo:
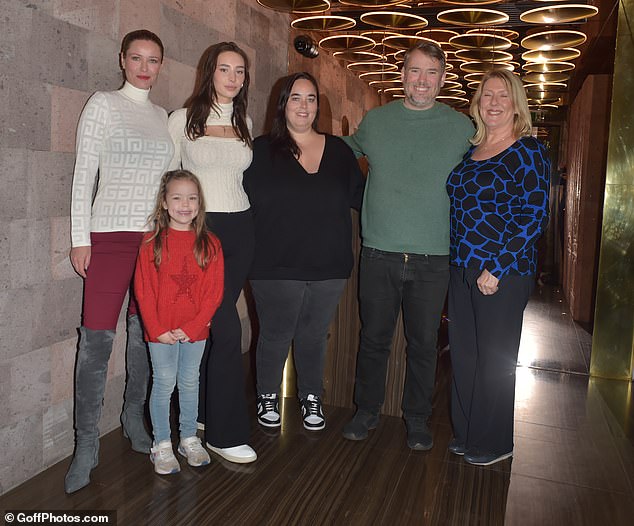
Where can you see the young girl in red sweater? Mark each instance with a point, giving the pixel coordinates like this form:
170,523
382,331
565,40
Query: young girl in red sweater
178,284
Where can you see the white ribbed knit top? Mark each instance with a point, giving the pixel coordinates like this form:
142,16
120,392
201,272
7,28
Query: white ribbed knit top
217,161
124,147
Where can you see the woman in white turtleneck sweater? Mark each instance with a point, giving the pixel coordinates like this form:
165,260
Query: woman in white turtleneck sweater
123,149
212,136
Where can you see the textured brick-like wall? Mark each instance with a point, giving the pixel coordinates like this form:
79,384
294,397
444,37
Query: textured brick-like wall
53,55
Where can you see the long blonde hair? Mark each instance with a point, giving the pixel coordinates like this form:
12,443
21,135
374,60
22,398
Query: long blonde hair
522,124
204,250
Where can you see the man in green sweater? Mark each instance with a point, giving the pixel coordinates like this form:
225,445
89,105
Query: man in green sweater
411,146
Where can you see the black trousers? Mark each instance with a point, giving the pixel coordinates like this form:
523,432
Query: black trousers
484,337
222,402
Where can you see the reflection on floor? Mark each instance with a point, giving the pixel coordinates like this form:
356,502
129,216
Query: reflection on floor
573,463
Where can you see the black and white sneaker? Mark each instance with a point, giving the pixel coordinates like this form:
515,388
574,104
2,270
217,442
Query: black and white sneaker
268,410
312,414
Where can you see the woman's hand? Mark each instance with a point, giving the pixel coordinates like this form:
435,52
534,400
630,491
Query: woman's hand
487,283
180,335
167,338
80,259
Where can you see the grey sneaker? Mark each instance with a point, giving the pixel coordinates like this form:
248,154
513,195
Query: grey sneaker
361,423
418,434
162,456
193,450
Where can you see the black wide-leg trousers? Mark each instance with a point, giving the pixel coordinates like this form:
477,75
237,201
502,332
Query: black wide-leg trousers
484,338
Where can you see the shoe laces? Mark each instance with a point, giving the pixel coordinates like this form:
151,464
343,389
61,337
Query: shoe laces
194,446
312,404
268,402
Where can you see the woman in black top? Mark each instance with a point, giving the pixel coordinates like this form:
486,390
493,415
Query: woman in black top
301,185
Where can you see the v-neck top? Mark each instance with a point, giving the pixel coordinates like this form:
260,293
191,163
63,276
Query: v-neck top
303,226
499,208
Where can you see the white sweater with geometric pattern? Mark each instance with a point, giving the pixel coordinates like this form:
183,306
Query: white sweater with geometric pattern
124,147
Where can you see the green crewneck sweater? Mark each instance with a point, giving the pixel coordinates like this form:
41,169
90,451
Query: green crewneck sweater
410,153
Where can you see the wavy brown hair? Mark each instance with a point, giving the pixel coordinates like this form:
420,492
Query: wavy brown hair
204,98
203,249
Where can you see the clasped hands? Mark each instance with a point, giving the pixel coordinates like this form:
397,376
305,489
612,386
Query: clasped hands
171,337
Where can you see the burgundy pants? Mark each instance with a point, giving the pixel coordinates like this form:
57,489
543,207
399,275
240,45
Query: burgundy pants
109,277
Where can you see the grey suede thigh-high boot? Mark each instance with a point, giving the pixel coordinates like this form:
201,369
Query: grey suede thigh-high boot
90,383
138,369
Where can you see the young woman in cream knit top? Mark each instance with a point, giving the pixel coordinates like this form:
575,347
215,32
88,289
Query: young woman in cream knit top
212,136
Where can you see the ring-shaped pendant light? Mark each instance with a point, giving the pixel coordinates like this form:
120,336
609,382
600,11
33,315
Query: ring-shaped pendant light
548,67
451,76
480,40
473,77
394,20
358,56
547,86
404,42
554,39
324,23
385,83
372,3
511,34
380,75
467,2
440,36
378,35
346,43
536,55
472,16
297,6
452,92
457,102
368,67
485,55
545,77
483,67
452,84
559,14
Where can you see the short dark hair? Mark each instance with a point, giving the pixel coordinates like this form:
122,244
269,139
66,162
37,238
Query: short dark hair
141,34
429,48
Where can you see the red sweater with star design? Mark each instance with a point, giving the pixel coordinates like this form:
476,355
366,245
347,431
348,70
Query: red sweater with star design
179,295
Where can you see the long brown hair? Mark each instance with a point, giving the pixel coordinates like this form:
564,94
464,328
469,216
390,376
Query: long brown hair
204,98
203,248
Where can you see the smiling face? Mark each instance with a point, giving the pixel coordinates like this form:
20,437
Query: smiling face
301,107
228,76
141,63
182,203
422,78
496,106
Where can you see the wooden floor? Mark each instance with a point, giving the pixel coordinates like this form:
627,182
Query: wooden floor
573,463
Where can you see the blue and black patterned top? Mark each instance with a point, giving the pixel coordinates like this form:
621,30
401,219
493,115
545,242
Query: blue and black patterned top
499,208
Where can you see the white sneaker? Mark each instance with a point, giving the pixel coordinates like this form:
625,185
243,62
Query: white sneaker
239,454
193,450
162,456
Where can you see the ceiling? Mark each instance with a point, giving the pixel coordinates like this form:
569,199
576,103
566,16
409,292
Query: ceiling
541,41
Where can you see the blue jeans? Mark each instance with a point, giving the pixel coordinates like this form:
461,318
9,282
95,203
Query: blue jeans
389,281
177,364
294,310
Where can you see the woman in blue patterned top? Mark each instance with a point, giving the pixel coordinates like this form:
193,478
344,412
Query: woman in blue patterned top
499,208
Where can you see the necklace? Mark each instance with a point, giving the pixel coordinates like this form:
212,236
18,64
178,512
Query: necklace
490,145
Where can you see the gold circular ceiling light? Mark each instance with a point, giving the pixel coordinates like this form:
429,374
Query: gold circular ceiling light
451,84
377,36
548,67
451,76
367,67
297,6
452,92
554,39
466,2
404,42
546,77
394,20
385,83
485,55
473,77
440,36
536,55
511,34
559,14
380,75
358,56
480,40
483,67
372,3
547,86
346,43
472,16
458,102
324,23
